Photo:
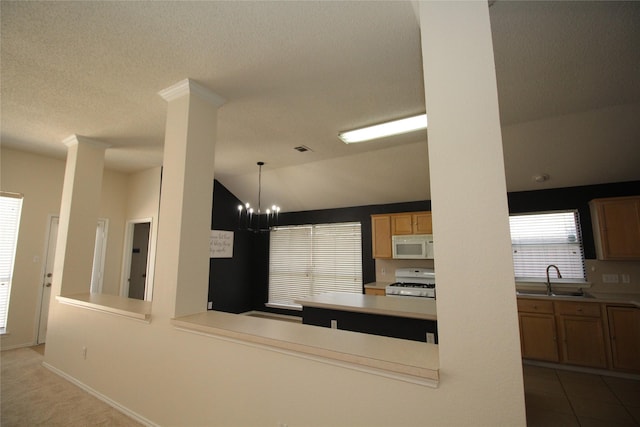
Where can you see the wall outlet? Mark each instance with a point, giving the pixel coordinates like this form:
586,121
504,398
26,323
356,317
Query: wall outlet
210,305
609,278
84,353
383,271
626,278
334,324
431,338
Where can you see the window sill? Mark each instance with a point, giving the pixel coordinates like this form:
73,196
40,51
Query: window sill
404,360
111,304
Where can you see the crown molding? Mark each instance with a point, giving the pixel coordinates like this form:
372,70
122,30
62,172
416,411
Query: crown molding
77,139
188,86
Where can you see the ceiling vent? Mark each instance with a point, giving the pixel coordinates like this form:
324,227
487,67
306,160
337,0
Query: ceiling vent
302,148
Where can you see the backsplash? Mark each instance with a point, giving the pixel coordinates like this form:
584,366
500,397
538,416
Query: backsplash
611,270
386,268
611,276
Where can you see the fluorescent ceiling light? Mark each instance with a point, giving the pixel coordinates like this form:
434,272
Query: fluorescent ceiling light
395,127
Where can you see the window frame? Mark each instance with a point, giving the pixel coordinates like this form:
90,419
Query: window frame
313,274
569,272
8,243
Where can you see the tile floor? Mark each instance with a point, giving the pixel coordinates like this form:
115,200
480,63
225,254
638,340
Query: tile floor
557,397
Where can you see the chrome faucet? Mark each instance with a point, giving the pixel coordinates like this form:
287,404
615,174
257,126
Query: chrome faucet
549,291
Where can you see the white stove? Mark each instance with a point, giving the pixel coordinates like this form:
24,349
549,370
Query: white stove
413,282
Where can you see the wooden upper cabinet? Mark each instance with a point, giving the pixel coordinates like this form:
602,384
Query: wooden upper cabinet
411,223
616,227
381,236
384,226
401,224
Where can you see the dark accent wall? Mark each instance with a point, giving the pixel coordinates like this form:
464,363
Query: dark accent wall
241,283
572,198
231,280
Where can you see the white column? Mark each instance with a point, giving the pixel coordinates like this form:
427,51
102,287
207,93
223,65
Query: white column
182,257
79,209
477,314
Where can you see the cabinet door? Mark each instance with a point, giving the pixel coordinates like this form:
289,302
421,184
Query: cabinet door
538,337
624,330
422,223
401,224
582,341
381,236
371,291
618,228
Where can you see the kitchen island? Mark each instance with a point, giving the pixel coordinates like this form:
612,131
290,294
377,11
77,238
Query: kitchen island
398,317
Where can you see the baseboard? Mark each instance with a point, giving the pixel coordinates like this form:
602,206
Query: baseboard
131,414
15,346
584,370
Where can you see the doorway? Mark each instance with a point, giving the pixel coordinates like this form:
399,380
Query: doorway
97,271
137,271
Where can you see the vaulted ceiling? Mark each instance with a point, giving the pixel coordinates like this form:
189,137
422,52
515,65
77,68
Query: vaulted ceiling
297,73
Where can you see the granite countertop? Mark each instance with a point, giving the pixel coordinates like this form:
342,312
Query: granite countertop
415,308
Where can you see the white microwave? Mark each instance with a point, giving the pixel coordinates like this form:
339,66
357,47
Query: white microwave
414,246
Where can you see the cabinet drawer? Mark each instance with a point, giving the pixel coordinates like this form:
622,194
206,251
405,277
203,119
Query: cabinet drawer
575,308
535,306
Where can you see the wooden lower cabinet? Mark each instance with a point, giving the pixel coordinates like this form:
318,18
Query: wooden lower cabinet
372,291
582,341
538,337
581,332
570,332
624,331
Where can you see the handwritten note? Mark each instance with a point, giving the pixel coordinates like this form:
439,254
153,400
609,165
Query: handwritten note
221,244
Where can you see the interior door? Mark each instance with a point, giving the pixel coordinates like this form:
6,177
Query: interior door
139,256
50,252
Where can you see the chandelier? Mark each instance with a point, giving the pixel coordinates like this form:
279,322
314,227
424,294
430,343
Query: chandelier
248,219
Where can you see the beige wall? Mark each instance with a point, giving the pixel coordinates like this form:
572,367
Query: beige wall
113,206
143,200
40,179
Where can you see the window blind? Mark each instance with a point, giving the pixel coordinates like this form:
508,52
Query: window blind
540,239
310,260
10,209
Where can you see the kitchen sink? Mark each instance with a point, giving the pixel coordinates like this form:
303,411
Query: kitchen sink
558,294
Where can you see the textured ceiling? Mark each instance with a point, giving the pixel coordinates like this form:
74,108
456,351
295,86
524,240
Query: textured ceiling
297,73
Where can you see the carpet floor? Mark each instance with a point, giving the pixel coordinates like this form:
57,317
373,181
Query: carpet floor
31,395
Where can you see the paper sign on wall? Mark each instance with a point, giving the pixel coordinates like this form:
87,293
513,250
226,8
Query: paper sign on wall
221,244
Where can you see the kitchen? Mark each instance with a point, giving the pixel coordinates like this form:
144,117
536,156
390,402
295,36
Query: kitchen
380,268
